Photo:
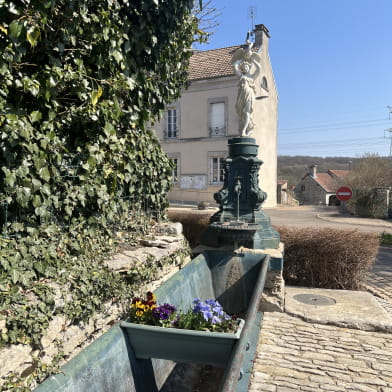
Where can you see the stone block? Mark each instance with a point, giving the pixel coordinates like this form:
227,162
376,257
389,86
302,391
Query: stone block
159,242
49,353
270,303
55,330
73,337
3,328
168,228
15,359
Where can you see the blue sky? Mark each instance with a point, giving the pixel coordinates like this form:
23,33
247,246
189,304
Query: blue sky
332,62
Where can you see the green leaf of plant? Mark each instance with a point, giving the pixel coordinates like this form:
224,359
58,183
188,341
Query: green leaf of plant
92,161
117,56
15,28
95,95
35,116
10,178
32,35
44,173
15,275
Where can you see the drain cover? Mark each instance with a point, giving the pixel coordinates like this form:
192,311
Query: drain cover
314,299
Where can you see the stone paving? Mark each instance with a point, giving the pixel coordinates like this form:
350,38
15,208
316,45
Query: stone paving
379,280
294,355
297,356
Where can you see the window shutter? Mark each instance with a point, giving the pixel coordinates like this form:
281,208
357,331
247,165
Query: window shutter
217,115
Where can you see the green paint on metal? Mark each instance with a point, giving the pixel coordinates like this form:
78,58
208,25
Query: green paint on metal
240,220
110,364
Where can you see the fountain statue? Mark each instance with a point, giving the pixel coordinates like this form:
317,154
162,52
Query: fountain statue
242,62
240,220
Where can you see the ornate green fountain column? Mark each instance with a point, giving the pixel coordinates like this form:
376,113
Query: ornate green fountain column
240,220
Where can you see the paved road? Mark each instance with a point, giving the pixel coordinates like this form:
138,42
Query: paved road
312,216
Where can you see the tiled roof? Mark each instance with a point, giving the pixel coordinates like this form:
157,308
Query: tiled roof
339,173
211,63
327,181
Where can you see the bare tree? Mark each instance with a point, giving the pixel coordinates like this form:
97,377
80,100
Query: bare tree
207,15
371,172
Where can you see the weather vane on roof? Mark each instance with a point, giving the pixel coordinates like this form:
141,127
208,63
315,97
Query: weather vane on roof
251,15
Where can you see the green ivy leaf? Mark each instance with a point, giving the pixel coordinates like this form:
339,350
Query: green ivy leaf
44,173
95,95
32,35
10,178
15,28
15,274
35,116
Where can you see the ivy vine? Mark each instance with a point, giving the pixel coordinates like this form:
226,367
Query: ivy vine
81,81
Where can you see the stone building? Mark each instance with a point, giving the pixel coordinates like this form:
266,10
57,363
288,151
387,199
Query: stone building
194,130
319,188
284,194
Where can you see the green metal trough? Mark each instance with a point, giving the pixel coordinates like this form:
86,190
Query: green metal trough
109,364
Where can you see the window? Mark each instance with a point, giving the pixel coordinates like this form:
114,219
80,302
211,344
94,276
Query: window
175,171
217,119
217,116
175,160
302,188
217,169
171,123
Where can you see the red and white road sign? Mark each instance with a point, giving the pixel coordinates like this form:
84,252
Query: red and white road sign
344,193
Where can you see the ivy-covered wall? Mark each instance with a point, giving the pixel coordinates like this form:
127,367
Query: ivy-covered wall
79,82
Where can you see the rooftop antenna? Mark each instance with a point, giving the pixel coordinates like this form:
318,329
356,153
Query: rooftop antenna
252,15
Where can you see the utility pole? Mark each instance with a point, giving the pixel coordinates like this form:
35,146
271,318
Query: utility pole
388,135
390,111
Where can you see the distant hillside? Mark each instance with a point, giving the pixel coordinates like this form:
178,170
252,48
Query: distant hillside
293,168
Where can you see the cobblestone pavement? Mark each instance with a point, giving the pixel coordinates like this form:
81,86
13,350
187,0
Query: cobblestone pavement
379,281
294,355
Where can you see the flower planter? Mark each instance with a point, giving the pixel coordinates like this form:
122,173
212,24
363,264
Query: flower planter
182,345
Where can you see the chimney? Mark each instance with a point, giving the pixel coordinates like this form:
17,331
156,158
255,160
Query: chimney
313,171
261,37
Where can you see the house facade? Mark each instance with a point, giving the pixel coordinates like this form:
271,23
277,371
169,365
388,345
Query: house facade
284,195
195,130
319,188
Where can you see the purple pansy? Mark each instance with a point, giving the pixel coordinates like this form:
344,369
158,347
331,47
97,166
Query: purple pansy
210,310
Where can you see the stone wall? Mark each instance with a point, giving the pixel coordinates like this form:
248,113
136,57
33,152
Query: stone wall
64,337
312,194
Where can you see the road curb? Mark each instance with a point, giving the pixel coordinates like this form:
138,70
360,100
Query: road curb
356,221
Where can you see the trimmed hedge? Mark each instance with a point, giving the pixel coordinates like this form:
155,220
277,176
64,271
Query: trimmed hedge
193,223
327,258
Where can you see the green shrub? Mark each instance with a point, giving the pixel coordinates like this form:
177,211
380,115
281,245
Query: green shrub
327,258
386,239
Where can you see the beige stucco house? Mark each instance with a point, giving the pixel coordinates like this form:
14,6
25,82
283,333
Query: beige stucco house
194,130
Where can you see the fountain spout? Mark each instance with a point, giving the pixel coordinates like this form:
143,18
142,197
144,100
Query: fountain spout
237,190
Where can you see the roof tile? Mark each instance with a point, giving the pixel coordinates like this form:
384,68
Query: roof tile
328,182
211,63
338,173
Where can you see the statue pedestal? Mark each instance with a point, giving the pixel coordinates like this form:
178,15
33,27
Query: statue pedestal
240,220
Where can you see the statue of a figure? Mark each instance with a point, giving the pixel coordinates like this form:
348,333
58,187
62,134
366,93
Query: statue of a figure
242,62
